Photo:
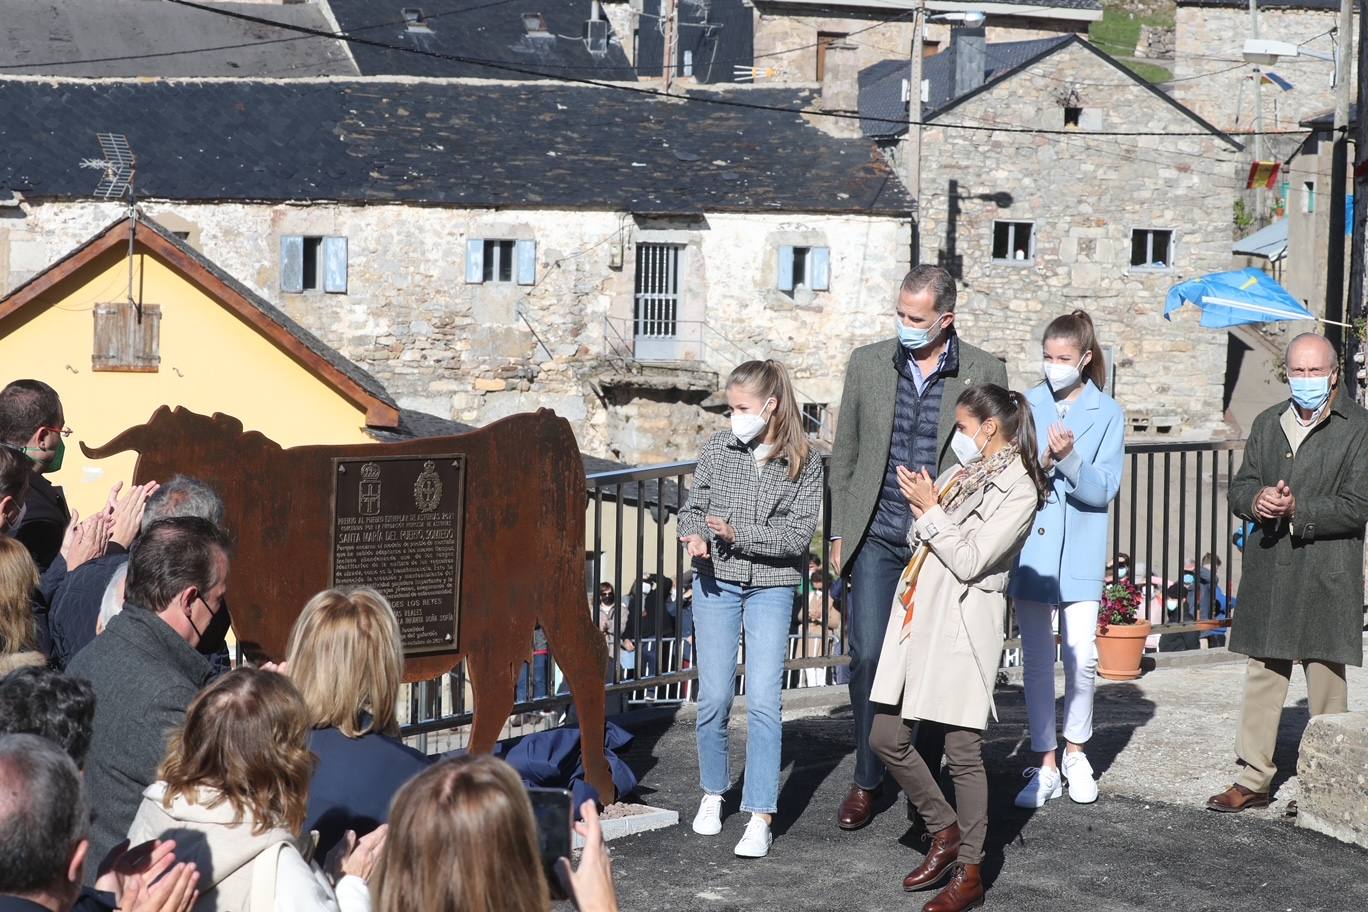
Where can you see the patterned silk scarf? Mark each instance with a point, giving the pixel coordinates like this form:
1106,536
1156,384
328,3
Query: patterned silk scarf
965,483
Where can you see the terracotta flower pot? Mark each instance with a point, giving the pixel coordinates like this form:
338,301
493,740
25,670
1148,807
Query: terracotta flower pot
1119,650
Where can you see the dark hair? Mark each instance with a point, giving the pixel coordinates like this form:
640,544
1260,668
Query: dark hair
937,280
171,556
1078,328
43,814
52,705
1011,410
183,496
25,406
16,471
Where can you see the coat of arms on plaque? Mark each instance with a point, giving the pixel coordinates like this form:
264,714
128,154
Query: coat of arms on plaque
368,494
427,490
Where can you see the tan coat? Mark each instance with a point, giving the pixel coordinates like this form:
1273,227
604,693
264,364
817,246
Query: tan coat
945,670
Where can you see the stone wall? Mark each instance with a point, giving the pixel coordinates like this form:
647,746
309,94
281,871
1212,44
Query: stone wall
783,28
478,352
1209,41
1084,197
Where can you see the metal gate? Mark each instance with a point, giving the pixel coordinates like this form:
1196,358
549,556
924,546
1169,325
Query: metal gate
655,312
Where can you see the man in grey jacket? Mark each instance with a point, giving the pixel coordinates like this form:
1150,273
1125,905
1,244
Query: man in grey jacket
145,669
897,409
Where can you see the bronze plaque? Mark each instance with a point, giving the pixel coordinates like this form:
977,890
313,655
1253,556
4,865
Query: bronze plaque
397,529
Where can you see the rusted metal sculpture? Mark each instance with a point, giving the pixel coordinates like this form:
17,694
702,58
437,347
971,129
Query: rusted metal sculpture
522,553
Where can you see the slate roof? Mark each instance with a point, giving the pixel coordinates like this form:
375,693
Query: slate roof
286,325
480,31
881,84
478,145
79,38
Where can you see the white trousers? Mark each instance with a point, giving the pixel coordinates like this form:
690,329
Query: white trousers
1077,649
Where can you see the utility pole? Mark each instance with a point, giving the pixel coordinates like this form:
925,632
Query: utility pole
1258,115
671,48
1357,310
912,160
1339,175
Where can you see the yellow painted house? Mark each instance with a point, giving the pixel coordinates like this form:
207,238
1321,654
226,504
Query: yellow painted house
192,336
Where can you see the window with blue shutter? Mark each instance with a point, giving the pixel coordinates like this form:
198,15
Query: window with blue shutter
786,268
819,268
335,265
292,263
474,262
804,267
526,254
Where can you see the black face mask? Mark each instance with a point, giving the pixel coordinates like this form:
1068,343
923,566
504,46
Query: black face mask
606,598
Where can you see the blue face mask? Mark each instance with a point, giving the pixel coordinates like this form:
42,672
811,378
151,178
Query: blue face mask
1189,579
914,338
1310,392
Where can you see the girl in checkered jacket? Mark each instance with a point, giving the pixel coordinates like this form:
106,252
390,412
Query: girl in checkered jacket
748,525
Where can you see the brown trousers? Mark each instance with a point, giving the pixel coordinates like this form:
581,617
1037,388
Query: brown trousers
891,738
1265,692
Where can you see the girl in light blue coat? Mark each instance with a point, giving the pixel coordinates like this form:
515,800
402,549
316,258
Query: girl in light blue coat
1061,567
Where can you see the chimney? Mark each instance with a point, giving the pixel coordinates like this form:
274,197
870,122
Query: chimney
970,46
840,89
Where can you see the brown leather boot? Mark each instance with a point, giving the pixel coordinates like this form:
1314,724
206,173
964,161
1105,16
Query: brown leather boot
964,891
857,808
939,859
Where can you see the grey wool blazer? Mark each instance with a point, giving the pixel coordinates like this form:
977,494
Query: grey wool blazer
864,430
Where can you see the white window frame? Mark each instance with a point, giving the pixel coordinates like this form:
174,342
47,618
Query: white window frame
1149,265
485,261
1012,227
328,274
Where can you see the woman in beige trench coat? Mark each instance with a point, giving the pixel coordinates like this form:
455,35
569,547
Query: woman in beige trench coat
941,650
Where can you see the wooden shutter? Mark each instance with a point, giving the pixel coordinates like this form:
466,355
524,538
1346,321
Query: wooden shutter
786,268
292,263
335,265
123,342
526,260
474,262
819,268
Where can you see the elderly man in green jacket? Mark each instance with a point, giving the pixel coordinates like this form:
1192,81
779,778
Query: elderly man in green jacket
1304,482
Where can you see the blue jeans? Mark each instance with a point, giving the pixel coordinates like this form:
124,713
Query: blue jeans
873,579
721,611
541,668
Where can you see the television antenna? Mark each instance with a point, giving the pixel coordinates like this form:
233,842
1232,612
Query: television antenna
120,166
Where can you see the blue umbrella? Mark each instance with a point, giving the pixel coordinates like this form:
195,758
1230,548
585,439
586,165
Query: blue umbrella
1236,298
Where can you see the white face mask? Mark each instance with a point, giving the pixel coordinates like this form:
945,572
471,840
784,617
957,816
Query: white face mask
1171,604
1059,376
966,448
748,427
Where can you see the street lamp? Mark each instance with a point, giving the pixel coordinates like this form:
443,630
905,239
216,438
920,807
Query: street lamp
1265,52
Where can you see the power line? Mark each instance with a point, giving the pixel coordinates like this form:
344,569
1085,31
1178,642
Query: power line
699,98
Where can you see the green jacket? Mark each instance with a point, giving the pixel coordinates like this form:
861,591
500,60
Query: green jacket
1301,593
864,430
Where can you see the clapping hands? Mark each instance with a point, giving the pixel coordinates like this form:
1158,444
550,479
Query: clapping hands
1275,502
1061,441
919,489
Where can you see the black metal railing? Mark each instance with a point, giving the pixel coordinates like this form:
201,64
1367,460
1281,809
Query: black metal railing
1169,516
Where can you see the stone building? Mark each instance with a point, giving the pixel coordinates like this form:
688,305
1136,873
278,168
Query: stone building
1211,77
1309,199
1036,224
484,248
788,40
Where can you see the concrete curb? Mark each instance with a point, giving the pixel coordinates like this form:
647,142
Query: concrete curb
652,818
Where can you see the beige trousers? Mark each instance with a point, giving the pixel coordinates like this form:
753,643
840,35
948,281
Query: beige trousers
1266,683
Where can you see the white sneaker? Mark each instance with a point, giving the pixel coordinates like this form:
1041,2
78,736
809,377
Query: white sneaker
756,841
708,820
1044,785
1079,772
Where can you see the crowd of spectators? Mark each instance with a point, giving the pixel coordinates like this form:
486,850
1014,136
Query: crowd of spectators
141,770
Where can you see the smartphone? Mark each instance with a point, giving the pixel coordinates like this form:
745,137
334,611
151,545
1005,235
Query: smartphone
554,810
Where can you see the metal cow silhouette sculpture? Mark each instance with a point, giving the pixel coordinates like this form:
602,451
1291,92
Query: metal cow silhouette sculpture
522,547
